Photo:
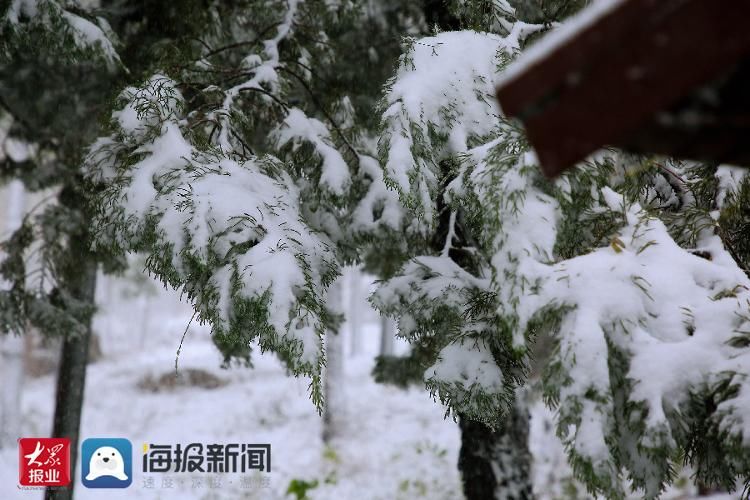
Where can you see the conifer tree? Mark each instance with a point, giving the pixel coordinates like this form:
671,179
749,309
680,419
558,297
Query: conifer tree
245,169
494,458
245,172
59,65
182,131
49,51
630,264
12,346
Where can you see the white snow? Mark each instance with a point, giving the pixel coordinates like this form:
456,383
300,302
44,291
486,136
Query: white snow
393,445
378,198
298,127
643,320
264,78
467,364
729,177
204,206
444,82
89,34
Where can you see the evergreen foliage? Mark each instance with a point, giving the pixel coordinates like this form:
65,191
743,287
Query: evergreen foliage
243,170
627,263
48,48
245,160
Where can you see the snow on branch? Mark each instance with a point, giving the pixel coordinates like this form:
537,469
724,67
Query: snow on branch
645,330
652,326
228,232
439,103
438,303
57,23
264,76
621,262
298,129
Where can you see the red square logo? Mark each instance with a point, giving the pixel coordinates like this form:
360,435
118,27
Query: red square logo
44,461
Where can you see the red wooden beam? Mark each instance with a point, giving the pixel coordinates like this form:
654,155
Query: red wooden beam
625,71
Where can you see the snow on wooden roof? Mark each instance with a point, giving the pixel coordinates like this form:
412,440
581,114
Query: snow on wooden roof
649,76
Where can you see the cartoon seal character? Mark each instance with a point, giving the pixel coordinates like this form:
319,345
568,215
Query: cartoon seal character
106,461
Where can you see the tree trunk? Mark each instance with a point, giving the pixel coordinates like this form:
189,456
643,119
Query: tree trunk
79,278
12,347
353,313
387,335
333,411
495,465
71,381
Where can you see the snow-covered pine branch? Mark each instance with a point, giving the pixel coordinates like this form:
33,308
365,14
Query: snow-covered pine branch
46,48
619,260
226,230
438,106
245,178
264,86
439,102
63,24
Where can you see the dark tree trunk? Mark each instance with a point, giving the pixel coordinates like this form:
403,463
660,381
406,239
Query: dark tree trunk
71,380
79,278
495,464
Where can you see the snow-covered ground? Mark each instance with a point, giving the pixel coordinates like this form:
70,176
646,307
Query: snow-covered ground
393,445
